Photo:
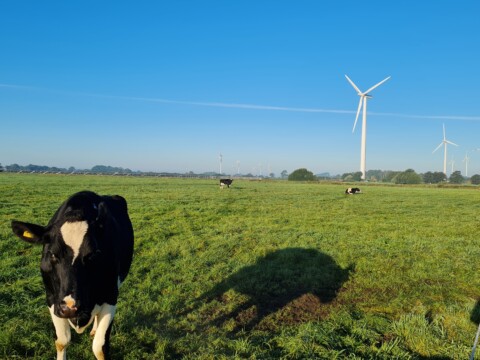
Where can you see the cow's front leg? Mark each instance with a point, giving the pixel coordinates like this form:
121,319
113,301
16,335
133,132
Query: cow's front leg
95,325
101,341
62,329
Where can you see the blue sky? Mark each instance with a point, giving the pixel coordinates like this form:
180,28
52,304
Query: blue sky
170,85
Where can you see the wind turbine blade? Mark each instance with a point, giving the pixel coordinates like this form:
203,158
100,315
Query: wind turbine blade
438,147
451,143
353,84
377,85
358,113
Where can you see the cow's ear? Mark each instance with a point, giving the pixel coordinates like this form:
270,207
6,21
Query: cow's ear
29,232
102,214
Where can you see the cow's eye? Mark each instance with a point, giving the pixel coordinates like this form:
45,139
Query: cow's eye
53,258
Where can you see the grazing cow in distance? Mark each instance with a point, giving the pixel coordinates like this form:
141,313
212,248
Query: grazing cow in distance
224,182
87,252
352,191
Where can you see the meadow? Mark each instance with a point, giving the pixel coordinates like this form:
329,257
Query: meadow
263,270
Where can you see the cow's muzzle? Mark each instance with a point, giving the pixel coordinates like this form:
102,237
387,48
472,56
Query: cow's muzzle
68,307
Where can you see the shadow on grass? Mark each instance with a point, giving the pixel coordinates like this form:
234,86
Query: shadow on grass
293,285
475,314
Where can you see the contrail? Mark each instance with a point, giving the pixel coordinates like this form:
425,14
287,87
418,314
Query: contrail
246,106
430,117
20,87
291,109
237,106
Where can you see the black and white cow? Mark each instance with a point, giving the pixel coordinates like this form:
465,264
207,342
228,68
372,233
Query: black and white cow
352,191
87,252
226,182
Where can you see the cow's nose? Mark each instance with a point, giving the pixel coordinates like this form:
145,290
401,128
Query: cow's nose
68,307
67,312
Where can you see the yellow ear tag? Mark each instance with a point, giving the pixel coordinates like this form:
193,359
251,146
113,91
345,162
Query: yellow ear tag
28,234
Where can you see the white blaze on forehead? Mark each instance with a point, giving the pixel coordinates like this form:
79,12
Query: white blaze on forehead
73,234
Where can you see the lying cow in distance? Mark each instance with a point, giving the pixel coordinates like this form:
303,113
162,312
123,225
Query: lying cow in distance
226,182
87,252
352,191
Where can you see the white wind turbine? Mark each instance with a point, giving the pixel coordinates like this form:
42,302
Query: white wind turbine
444,143
363,102
466,160
452,162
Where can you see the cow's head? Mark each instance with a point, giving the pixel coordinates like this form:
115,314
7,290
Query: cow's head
70,258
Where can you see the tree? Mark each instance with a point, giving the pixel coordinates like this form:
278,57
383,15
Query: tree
284,174
1,168
301,175
475,179
409,176
428,177
375,175
356,176
103,169
14,168
434,177
456,178
390,176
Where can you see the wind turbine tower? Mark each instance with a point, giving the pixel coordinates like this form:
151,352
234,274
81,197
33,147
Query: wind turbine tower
221,160
444,143
364,96
466,160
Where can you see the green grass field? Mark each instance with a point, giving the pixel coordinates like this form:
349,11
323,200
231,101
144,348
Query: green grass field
263,270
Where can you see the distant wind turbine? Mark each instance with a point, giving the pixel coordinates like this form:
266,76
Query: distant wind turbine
444,143
452,162
466,160
221,160
364,96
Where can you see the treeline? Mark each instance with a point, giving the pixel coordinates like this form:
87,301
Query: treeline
107,170
97,169
409,176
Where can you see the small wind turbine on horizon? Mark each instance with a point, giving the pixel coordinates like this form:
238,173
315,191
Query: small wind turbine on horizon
444,143
452,162
221,160
364,96
466,160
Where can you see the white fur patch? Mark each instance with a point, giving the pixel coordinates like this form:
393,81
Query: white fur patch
73,234
104,319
